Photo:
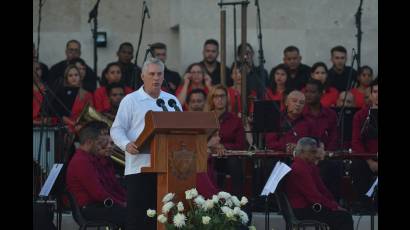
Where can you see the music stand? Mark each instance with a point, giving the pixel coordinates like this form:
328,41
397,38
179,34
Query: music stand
347,122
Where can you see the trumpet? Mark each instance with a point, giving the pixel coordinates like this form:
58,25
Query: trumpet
90,114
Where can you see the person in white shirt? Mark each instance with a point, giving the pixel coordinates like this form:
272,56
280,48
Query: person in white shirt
127,126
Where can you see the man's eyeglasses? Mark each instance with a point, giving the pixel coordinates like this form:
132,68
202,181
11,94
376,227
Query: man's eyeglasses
196,72
117,94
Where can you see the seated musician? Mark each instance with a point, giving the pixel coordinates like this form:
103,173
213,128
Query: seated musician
365,141
306,192
232,137
90,176
293,124
116,93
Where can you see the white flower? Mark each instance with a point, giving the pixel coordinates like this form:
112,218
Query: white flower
224,195
167,207
235,201
252,227
199,201
209,204
227,211
180,206
236,210
215,199
244,217
189,194
229,202
206,219
244,201
162,219
151,213
179,220
168,197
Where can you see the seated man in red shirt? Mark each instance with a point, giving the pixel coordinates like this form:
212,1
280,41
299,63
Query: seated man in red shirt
306,192
91,178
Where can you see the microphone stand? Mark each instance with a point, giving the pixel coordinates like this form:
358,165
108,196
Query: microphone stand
40,7
262,75
145,11
93,16
358,17
340,121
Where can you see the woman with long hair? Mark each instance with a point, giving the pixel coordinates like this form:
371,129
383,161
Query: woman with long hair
330,95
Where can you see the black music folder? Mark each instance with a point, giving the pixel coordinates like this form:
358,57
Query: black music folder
347,121
266,116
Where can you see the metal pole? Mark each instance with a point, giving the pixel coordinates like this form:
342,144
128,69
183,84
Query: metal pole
244,67
223,46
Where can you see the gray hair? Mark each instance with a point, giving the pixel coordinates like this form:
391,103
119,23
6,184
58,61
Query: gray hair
155,61
305,144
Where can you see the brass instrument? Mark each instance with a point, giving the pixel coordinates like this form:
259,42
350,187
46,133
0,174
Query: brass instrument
90,114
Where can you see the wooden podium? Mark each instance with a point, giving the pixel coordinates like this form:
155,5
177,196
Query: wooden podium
178,147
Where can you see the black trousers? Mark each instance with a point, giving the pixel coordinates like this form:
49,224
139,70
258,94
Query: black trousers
141,196
363,179
331,172
230,166
337,220
114,214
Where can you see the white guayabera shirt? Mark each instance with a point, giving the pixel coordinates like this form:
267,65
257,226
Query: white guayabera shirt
130,122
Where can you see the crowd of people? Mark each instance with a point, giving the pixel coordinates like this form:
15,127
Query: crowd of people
310,99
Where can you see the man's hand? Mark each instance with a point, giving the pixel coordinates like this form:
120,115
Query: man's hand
373,165
132,148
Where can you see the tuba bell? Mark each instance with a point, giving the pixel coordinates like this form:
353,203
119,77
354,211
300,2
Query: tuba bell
90,114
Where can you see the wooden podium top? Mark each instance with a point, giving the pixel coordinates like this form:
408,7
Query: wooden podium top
177,123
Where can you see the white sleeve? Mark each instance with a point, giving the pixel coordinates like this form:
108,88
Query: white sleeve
122,124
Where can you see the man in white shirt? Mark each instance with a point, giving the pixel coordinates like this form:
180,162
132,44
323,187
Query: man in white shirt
127,126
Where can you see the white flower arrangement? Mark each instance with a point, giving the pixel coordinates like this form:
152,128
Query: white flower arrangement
223,212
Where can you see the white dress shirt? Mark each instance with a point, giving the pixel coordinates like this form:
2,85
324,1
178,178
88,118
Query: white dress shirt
130,122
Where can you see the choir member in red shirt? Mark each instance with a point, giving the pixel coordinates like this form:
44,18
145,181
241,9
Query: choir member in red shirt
293,124
319,72
362,91
111,74
234,92
195,77
279,86
38,90
116,92
365,140
91,178
306,192
72,96
232,137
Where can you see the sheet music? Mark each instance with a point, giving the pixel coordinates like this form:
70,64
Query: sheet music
48,185
371,190
280,170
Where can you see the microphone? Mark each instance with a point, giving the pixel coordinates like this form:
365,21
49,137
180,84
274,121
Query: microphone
161,103
146,9
93,12
172,103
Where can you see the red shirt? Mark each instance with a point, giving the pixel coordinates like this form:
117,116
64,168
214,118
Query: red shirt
325,124
231,132
359,144
101,99
235,103
277,141
329,97
359,98
37,101
304,187
79,105
91,179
